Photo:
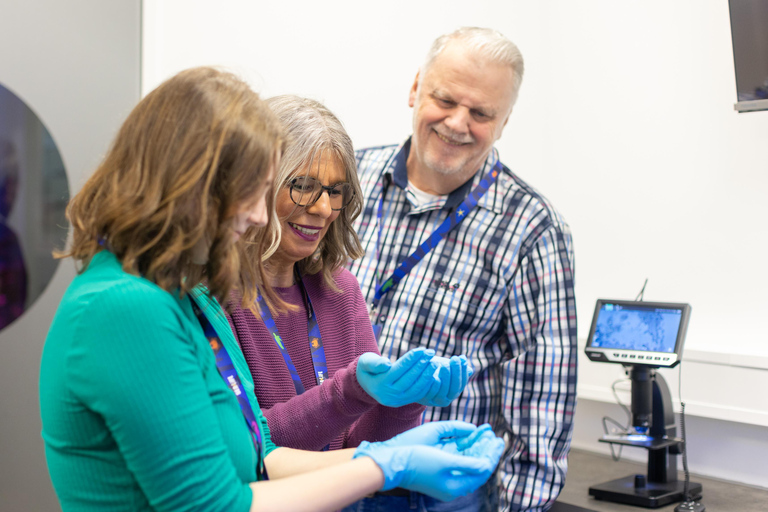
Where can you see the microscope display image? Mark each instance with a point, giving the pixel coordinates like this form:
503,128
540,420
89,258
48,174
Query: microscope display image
637,329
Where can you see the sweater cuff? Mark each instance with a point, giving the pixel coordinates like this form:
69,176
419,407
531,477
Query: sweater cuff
353,387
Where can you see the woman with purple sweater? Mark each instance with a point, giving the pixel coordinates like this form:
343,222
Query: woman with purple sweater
316,368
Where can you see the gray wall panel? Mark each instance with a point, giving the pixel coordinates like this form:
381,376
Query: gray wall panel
77,65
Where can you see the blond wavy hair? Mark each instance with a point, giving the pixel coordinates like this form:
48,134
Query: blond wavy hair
189,155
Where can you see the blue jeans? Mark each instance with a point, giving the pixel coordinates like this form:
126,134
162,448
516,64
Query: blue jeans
485,499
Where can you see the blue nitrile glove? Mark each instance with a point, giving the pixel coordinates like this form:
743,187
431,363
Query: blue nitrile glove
435,470
405,381
480,443
428,470
453,436
433,434
453,375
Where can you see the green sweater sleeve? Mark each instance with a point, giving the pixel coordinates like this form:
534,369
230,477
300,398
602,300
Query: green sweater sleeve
141,364
215,314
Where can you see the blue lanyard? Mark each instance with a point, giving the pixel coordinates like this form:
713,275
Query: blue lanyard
315,340
453,220
229,374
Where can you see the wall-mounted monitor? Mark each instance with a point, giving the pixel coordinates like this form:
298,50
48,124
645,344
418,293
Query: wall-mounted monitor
749,32
638,333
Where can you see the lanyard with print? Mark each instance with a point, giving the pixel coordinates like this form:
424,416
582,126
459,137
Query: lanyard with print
227,370
405,266
315,341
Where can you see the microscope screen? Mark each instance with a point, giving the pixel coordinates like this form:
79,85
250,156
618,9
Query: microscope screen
637,332
642,328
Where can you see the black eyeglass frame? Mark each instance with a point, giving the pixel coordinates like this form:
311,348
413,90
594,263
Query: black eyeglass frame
323,188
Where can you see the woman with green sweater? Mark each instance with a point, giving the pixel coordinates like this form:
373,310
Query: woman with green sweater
141,407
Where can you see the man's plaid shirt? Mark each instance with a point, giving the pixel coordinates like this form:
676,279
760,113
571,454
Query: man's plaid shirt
498,289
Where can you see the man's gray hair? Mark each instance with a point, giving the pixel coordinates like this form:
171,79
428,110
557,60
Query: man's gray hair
486,42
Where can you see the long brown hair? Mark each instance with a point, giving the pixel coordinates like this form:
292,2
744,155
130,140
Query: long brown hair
188,156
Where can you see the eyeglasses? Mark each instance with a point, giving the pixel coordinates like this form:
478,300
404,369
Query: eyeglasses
305,191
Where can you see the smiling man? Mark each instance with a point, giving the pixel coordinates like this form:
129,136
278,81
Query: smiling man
464,257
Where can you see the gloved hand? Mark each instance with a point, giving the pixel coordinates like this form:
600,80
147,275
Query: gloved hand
407,380
434,433
453,436
447,469
453,374
478,444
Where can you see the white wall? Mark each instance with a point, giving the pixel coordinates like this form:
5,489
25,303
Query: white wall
359,58
625,121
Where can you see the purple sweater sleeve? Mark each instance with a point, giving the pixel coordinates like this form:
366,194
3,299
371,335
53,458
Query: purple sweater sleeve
339,411
322,414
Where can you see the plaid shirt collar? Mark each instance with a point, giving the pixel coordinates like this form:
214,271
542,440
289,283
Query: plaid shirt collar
396,171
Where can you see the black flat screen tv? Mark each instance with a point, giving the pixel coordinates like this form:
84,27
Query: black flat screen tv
749,33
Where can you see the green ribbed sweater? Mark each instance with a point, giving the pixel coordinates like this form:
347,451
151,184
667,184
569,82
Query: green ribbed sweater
135,414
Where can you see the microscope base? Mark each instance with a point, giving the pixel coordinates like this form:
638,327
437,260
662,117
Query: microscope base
652,495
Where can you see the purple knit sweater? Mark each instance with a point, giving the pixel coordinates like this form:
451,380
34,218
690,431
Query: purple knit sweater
339,412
